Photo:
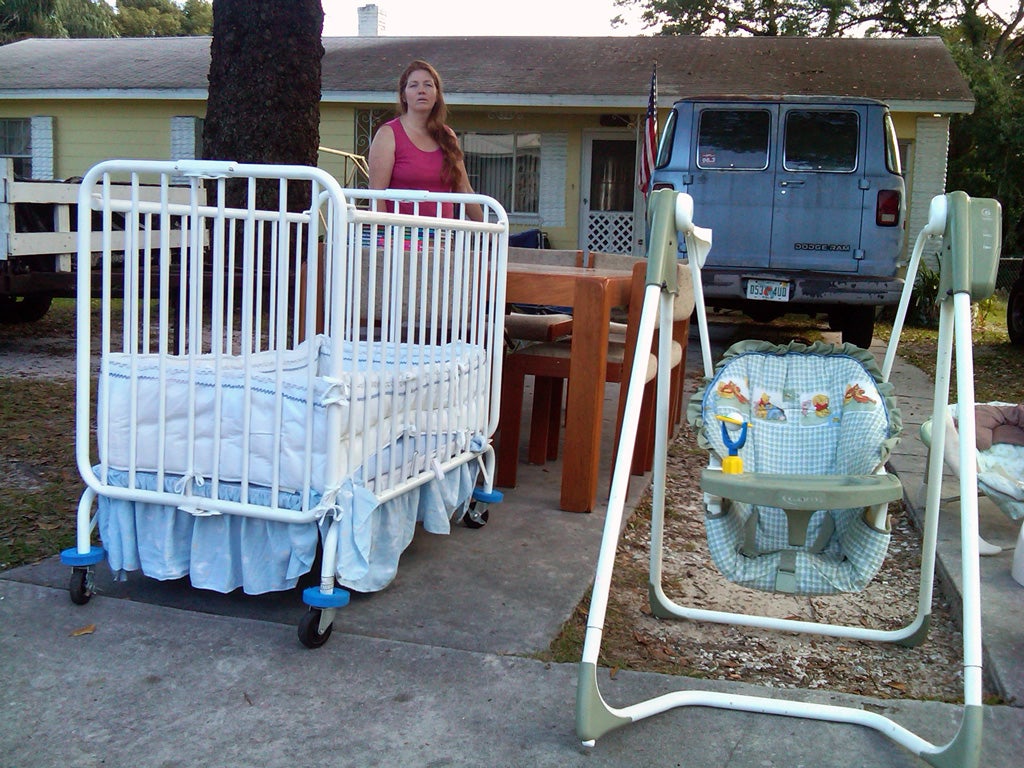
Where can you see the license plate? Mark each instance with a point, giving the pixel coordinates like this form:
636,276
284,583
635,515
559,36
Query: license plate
767,290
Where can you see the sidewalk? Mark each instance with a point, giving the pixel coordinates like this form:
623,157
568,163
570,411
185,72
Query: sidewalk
1002,603
436,670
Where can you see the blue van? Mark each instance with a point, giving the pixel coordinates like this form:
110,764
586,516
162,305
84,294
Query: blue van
806,198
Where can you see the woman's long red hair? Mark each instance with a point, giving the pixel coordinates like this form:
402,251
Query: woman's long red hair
436,126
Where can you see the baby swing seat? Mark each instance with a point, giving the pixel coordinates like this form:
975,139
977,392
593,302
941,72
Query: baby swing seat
807,514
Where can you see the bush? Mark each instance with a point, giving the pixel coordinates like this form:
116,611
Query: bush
923,310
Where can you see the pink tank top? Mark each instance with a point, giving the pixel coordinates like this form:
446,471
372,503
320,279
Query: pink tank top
416,169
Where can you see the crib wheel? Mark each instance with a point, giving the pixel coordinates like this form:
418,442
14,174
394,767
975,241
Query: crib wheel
309,629
80,586
475,519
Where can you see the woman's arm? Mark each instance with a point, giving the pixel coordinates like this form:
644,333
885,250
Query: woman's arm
381,158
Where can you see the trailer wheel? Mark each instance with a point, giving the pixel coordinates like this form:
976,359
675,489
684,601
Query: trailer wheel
1015,312
309,629
80,586
24,309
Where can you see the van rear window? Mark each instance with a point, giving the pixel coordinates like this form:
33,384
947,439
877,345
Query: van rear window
730,139
819,140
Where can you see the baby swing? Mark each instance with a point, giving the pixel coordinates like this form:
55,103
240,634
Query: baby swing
796,491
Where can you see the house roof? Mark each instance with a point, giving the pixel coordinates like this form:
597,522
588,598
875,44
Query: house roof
916,74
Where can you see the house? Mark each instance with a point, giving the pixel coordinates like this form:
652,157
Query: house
563,112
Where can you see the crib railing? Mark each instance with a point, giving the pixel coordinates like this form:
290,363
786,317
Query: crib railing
280,332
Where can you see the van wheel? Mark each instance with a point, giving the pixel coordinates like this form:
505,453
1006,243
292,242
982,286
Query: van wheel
760,314
858,325
1015,312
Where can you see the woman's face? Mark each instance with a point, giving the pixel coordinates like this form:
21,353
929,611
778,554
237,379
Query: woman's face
420,92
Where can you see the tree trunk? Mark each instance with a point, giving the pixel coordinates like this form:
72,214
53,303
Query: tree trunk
264,97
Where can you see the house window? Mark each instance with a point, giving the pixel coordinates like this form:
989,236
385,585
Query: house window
16,143
367,123
505,166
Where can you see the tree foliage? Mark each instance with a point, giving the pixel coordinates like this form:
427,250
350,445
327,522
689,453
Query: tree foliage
986,156
148,18
811,18
197,17
164,18
97,18
55,18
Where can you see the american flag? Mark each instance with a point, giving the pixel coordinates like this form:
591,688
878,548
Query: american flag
650,137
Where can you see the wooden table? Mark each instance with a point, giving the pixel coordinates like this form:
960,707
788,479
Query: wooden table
591,293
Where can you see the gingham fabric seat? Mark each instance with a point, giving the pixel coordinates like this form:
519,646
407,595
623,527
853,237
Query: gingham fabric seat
814,411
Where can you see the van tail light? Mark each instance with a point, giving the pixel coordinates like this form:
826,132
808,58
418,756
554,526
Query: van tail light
663,185
887,208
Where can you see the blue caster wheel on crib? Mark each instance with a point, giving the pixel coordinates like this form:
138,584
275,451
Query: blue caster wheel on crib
476,516
310,634
80,587
309,629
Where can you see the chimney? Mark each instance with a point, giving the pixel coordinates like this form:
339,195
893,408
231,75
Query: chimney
371,21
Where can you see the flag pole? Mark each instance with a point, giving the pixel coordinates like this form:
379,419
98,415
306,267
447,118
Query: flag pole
649,137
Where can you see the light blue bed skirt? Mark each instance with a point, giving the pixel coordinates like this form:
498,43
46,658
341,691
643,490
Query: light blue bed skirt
227,552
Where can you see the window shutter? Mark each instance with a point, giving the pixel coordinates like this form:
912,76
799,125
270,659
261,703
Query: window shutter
554,150
183,137
42,147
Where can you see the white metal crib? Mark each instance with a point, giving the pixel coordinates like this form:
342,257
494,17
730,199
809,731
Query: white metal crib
283,365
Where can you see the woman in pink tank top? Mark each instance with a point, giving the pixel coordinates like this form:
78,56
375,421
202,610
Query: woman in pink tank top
417,150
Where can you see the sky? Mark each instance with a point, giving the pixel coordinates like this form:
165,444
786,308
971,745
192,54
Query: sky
417,18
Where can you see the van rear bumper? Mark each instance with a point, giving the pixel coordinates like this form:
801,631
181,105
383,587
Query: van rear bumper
727,288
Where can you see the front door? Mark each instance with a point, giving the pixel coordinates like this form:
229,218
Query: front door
608,193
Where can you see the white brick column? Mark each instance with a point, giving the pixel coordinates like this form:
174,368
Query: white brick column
931,150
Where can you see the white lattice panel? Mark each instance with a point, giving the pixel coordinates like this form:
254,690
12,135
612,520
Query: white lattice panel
610,231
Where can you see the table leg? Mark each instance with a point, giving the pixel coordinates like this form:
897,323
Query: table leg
585,400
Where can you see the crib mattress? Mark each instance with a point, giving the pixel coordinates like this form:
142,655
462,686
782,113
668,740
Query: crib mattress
234,417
